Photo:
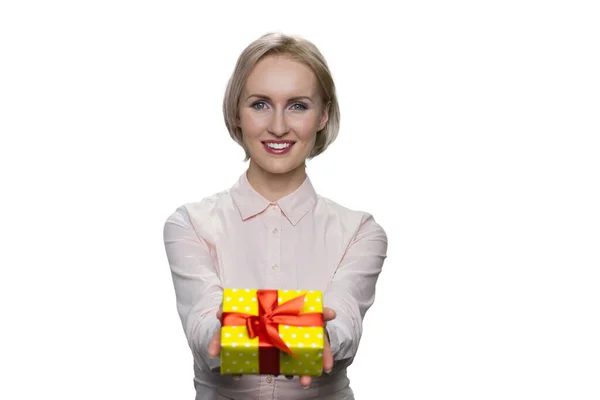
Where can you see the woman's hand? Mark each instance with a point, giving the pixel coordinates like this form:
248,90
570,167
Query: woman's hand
214,347
328,315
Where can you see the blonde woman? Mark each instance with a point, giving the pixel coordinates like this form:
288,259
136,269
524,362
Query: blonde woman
271,230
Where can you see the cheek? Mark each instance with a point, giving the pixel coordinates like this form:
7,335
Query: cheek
305,128
251,125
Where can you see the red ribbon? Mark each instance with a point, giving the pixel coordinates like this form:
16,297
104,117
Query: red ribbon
265,325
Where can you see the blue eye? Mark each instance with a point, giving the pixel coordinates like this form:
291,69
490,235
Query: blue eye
299,107
259,105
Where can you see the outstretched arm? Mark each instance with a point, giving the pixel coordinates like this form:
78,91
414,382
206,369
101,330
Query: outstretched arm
198,289
351,291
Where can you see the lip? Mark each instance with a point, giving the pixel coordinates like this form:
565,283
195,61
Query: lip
275,151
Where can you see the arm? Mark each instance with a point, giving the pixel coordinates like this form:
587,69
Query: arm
198,290
352,289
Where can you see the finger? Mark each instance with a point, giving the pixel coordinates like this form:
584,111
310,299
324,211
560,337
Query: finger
327,357
236,377
220,314
328,314
305,381
214,348
289,376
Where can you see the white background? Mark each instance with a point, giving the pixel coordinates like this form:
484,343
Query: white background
469,130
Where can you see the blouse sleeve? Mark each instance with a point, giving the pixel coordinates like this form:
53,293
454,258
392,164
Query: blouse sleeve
351,291
198,290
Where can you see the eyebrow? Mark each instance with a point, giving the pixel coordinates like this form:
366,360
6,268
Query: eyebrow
265,97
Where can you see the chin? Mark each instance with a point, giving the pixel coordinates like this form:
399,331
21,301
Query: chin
279,167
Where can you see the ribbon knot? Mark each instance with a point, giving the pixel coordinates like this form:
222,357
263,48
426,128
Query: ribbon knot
253,324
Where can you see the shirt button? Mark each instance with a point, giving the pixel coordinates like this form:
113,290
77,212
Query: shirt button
269,379
275,267
275,231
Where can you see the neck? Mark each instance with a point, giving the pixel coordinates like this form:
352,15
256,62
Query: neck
275,186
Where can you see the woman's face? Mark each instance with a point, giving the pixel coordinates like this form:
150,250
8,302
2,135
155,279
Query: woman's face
280,112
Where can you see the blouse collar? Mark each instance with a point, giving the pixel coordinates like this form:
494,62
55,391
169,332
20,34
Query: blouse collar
294,205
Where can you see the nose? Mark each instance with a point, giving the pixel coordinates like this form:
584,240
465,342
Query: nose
278,125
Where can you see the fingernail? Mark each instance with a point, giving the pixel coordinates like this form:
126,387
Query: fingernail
305,387
328,371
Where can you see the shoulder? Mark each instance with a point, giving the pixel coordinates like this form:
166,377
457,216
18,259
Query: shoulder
361,222
196,215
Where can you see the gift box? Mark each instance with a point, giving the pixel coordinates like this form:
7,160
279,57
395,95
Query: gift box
277,332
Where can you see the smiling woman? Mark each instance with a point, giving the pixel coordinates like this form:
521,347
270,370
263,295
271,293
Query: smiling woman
272,231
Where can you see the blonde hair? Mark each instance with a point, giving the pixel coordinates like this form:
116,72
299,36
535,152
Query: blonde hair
300,50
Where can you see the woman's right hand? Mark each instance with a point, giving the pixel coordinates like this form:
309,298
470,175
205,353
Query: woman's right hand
214,348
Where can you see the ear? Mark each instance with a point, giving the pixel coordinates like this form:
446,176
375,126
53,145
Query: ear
324,116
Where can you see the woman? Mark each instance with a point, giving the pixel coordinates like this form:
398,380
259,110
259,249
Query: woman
271,230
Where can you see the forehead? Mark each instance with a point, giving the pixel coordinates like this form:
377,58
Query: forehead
281,76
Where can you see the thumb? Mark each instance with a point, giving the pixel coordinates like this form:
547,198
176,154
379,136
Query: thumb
214,347
328,314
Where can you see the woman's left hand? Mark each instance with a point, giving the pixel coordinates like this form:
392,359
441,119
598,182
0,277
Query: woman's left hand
328,315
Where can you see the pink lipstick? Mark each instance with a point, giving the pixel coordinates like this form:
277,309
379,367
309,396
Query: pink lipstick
278,146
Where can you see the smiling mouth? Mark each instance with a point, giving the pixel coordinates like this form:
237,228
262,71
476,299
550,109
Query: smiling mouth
278,147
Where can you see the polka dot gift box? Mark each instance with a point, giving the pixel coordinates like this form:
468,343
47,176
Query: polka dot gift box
277,332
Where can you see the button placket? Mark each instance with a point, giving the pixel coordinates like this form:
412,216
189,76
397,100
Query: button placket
274,244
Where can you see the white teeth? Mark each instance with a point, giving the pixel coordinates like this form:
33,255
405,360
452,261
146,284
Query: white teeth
279,146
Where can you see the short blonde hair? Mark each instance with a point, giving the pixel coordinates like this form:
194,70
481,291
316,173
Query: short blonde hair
298,49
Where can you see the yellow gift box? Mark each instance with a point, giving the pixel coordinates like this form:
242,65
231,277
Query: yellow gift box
278,332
